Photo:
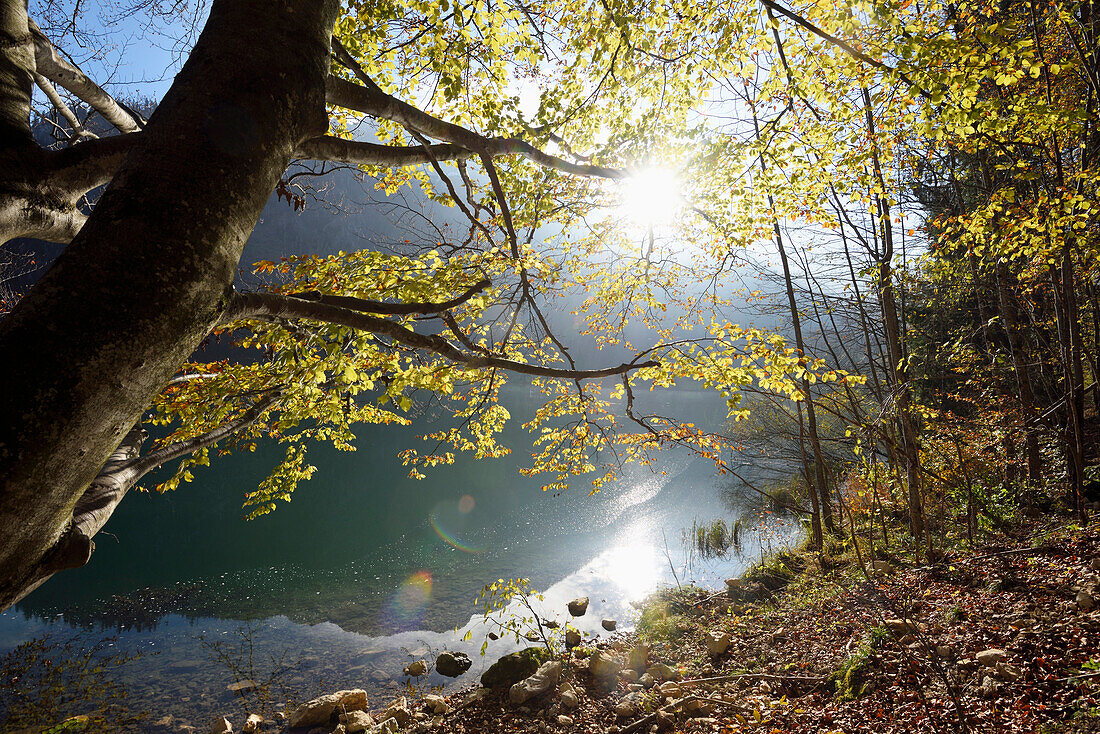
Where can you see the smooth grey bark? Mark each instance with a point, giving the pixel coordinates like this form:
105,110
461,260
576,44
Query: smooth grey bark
151,271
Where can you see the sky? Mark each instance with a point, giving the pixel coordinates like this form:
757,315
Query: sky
133,54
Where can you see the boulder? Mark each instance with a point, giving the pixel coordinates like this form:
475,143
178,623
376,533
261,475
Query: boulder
436,704
452,664
572,638
398,710
513,668
569,698
356,721
221,725
717,642
320,710
538,683
989,658
609,625
578,607
661,671
416,669
604,666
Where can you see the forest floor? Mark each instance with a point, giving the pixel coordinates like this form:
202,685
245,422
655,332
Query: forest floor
1006,639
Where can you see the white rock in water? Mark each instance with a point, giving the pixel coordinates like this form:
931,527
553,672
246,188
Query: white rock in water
416,669
319,710
252,723
541,681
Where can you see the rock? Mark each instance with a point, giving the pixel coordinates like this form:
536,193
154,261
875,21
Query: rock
398,710
416,669
389,726
665,719
1085,602
242,686
513,668
356,721
989,658
717,642
989,687
647,680
609,625
697,708
565,720
637,657
1095,564
252,723
578,607
628,674
669,690
901,626
660,671
452,664
944,652
493,636
1008,672
882,567
319,710
436,704
605,666
572,638
541,681
569,698
221,725
624,708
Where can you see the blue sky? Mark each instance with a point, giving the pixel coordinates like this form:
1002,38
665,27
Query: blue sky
131,54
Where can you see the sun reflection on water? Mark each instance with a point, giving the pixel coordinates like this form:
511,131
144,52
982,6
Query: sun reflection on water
633,566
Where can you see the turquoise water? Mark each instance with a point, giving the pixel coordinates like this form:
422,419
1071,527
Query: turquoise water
367,569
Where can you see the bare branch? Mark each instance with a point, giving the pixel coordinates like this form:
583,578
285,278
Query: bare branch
60,71
339,150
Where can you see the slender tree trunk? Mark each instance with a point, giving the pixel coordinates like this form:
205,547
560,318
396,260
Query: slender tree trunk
152,270
1023,379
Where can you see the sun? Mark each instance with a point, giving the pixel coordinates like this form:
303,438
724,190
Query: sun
651,197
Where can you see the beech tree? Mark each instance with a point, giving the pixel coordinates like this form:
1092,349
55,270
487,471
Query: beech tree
147,274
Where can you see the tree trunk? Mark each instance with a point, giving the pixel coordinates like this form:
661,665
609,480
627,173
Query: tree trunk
151,271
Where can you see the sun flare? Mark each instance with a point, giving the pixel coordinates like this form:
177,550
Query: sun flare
651,197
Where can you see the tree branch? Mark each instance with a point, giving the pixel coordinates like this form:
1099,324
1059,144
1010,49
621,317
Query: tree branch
364,305
271,305
339,150
60,71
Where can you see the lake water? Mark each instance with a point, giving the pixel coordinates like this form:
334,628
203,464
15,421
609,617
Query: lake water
367,570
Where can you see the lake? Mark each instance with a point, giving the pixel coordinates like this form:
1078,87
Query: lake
366,569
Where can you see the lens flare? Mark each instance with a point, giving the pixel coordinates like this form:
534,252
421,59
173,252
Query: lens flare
406,607
450,538
465,504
